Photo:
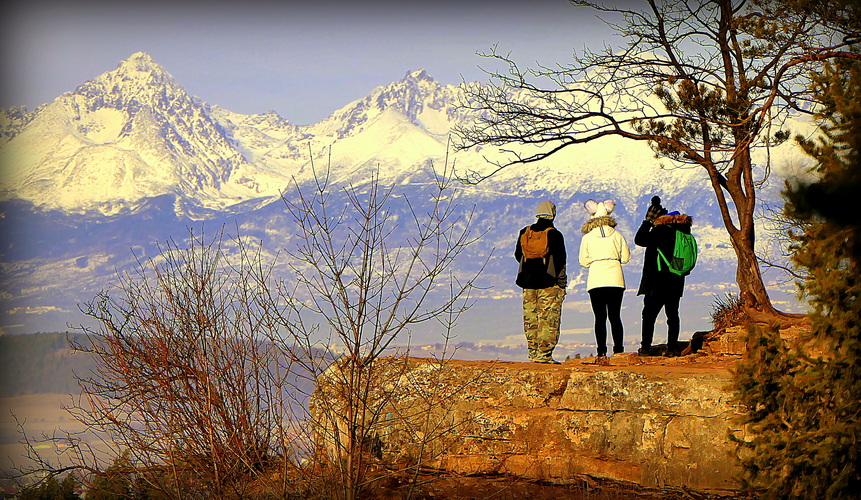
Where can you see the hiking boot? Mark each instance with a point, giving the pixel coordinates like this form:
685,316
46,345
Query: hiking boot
602,360
645,351
671,353
549,361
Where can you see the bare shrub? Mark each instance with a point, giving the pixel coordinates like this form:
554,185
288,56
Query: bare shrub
205,362
182,382
366,273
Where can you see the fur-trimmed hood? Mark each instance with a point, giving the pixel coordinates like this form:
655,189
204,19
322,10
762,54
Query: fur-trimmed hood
674,219
596,222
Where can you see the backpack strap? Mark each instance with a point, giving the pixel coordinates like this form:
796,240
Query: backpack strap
663,257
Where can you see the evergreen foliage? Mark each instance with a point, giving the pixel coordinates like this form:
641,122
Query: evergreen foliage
802,396
121,481
52,489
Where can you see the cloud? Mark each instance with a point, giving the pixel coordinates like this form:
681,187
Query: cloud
36,310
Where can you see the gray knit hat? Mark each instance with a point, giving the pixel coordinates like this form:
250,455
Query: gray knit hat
546,210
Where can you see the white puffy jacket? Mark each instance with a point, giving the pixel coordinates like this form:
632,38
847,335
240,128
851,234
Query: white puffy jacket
603,250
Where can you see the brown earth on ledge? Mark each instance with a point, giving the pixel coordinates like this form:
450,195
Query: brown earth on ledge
506,487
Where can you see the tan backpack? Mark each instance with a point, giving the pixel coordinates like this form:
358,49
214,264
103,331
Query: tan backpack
534,243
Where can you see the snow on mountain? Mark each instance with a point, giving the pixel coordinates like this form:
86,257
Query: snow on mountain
128,134
133,134
417,97
129,159
394,130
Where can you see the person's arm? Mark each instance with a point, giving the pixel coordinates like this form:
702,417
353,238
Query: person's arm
625,256
518,251
558,249
644,238
584,258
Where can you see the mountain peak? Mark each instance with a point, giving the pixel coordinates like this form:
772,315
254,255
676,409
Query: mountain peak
141,63
140,56
133,133
418,75
137,78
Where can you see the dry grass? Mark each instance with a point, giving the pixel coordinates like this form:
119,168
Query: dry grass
727,311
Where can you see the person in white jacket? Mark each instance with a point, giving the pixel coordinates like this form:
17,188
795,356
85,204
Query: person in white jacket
603,250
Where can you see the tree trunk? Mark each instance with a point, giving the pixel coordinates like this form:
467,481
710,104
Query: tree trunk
738,183
752,291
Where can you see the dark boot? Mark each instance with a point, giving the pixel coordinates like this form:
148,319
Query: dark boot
672,350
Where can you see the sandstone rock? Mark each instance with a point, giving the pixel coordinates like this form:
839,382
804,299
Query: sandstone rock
729,341
653,421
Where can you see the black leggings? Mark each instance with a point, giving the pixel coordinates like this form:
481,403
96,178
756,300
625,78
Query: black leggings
607,303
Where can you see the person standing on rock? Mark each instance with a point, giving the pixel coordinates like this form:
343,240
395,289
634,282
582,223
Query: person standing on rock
540,250
662,284
603,250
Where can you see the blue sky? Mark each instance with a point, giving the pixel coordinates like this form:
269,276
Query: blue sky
301,59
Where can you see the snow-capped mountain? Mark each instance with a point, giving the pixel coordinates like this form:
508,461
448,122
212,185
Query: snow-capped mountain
133,134
394,130
128,134
129,159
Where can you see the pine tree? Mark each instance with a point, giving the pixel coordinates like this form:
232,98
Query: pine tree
52,489
802,396
121,481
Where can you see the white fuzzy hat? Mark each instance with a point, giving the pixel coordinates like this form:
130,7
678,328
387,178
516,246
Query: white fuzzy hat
596,209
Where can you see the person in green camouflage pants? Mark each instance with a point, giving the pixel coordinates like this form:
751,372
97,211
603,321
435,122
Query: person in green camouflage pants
543,279
542,315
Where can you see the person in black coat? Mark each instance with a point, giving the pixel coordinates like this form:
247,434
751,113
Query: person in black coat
661,289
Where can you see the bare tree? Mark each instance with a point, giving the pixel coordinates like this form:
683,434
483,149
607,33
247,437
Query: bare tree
366,273
206,362
704,83
183,388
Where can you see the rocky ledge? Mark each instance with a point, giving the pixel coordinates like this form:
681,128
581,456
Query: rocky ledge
658,422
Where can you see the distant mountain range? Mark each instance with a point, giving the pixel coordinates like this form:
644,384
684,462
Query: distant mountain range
134,133
130,159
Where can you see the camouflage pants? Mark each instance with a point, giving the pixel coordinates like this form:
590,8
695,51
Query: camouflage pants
542,315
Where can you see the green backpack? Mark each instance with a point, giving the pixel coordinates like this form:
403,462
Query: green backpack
684,256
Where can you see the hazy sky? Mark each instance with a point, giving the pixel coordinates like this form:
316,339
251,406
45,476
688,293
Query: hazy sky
301,59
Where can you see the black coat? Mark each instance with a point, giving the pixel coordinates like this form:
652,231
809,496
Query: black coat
661,235
543,273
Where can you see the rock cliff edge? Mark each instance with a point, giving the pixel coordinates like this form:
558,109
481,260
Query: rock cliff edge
659,422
